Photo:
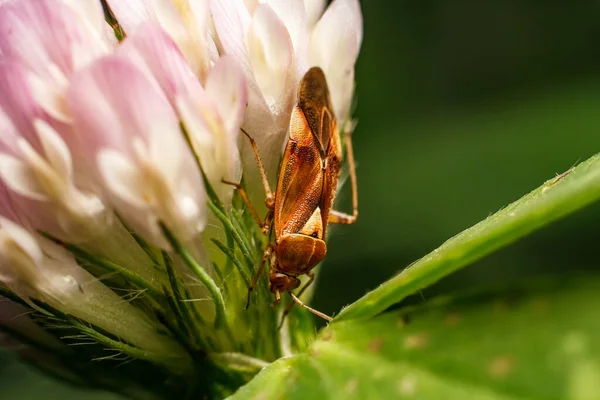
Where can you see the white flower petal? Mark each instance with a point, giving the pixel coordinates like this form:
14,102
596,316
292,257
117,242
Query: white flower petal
122,178
189,210
271,54
131,13
251,5
226,87
166,153
314,10
43,192
110,37
293,15
25,240
51,183
20,178
90,11
189,110
193,112
231,19
216,148
55,149
334,47
49,97
7,276
188,26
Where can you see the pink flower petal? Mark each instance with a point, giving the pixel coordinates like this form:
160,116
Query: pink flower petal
153,49
132,13
23,200
44,33
137,136
113,101
17,104
9,208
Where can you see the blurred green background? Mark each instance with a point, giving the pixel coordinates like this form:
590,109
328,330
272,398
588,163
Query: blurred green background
463,107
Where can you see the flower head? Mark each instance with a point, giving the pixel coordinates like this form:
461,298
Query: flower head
115,140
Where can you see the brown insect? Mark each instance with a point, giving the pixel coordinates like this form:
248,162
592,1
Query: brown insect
301,207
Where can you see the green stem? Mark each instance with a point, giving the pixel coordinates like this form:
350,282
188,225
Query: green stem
231,256
180,304
117,345
147,249
555,199
237,236
201,274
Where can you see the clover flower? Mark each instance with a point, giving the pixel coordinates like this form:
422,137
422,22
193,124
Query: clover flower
116,230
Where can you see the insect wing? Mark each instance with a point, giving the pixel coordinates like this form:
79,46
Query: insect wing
331,175
314,101
311,162
300,178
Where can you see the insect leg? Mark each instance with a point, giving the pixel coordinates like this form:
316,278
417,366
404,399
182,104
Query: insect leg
312,310
270,199
266,255
336,217
264,225
277,298
311,278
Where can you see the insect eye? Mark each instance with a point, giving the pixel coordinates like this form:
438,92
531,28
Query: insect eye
315,235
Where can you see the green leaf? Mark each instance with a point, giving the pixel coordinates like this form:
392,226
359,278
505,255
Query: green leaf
556,198
540,340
